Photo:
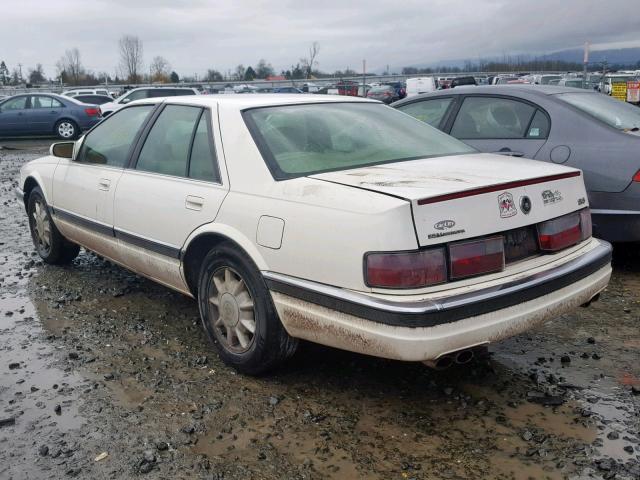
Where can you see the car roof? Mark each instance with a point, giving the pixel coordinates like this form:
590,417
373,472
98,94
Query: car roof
245,101
538,90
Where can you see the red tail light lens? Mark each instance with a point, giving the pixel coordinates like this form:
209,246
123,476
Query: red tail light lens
92,112
585,223
561,232
476,257
636,177
406,269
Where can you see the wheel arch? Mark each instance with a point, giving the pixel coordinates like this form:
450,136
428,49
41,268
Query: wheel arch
32,181
202,240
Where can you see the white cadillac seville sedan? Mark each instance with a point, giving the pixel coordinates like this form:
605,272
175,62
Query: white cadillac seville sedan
336,220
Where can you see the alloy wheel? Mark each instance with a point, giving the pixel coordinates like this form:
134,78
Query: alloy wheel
231,310
41,226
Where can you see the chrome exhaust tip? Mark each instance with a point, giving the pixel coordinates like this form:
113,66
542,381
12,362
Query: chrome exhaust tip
441,363
465,356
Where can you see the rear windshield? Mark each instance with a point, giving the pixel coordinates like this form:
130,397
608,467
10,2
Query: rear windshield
298,140
617,114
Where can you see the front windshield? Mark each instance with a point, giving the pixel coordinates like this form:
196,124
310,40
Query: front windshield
617,114
297,140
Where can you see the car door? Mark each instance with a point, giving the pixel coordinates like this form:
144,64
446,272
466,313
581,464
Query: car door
43,114
175,185
13,116
83,187
502,125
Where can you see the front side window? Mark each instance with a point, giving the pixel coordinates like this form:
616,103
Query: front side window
616,114
428,111
492,118
298,140
110,142
45,102
19,103
166,149
137,95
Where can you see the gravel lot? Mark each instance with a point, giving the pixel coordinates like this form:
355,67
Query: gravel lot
104,374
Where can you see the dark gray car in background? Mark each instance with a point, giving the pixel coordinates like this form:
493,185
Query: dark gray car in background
583,129
46,114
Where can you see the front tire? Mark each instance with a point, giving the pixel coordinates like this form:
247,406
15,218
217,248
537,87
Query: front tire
238,314
52,247
66,129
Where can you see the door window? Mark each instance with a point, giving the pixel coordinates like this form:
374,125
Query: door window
428,111
492,118
166,149
110,142
203,162
19,103
137,95
45,102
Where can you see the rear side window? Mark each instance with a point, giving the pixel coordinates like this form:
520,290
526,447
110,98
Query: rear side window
491,118
109,142
203,163
166,149
428,111
539,127
45,102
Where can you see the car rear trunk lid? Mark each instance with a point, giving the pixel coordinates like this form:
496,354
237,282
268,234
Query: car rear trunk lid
466,196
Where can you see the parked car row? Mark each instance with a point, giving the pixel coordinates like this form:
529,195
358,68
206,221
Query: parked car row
586,130
337,220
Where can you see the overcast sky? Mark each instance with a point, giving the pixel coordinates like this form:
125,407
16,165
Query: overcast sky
197,34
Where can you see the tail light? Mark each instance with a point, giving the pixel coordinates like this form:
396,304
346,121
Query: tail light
406,269
476,257
562,232
636,177
92,111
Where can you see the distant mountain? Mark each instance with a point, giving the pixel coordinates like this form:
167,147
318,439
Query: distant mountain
620,56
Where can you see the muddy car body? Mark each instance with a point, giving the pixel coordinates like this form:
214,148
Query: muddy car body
297,217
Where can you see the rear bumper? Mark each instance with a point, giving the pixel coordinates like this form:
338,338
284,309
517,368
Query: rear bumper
616,225
426,330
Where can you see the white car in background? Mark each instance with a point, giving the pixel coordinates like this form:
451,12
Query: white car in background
142,93
336,220
74,92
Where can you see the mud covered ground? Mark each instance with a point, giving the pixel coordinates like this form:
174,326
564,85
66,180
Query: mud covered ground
104,374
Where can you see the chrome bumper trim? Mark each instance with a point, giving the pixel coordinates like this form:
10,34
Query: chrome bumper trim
447,309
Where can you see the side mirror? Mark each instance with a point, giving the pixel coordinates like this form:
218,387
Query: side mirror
125,100
62,149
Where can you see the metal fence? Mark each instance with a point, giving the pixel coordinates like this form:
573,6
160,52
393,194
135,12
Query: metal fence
57,88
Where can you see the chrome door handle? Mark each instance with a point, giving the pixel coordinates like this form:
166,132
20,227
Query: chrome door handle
104,184
194,203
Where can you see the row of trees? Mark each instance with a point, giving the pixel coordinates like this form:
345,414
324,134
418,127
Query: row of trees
71,71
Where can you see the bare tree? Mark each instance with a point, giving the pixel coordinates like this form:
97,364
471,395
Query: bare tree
70,66
160,69
131,57
309,62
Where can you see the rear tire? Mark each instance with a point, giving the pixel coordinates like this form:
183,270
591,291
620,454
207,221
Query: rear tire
238,314
66,129
52,247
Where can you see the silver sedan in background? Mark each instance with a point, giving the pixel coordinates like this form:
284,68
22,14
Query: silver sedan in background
583,129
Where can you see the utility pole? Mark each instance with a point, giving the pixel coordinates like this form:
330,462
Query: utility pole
585,62
20,67
364,69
